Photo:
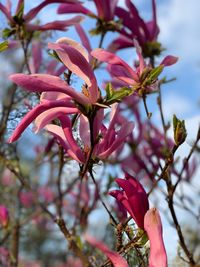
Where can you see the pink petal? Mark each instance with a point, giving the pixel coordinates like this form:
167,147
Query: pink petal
36,57
51,114
110,58
125,130
77,63
74,8
31,115
74,44
169,60
60,25
84,130
19,4
6,12
34,11
115,258
45,83
84,39
153,227
74,148
57,131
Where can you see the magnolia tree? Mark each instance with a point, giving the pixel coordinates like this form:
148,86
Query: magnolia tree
79,190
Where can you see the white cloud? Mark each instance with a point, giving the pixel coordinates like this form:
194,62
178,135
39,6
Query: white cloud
179,23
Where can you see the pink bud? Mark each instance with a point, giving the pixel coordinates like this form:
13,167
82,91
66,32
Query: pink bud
4,216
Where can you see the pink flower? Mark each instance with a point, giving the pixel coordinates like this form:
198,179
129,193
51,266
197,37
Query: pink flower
142,77
134,27
19,18
105,9
133,197
76,59
115,258
153,227
4,216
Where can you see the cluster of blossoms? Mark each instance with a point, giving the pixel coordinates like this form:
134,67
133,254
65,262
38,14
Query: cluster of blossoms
89,121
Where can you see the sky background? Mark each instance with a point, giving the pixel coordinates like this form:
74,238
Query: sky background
179,22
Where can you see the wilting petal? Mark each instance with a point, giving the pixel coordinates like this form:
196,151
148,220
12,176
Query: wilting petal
169,60
110,58
153,227
45,83
115,258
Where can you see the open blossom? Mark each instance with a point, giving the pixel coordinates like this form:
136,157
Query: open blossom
58,98
134,27
133,198
4,216
106,139
105,9
153,227
140,78
18,18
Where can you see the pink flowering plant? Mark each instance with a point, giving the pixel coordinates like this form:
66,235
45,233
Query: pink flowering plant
62,202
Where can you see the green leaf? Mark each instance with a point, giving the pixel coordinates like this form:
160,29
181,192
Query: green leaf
3,46
113,96
153,75
6,33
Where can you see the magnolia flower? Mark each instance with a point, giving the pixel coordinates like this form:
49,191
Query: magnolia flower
153,227
116,259
58,98
4,216
20,18
142,78
105,9
134,27
133,198
106,140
